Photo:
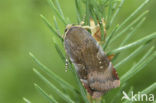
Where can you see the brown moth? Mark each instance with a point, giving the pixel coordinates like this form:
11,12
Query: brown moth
94,68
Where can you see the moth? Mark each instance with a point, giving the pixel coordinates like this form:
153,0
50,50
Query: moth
94,68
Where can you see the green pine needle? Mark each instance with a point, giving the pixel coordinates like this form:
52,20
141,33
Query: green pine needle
109,14
59,93
129,26
61,55
133,14
117,11
129,35
138,42
50,98
52,74
139,66
149,89
133,54
26,100
110,36
56,26
50,27
78,10
58,11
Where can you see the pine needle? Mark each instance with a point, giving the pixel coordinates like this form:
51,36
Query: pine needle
52,74
26,100
59,93
138,42
51,99
139,66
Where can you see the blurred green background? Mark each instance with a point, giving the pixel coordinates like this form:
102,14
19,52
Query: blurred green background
22,31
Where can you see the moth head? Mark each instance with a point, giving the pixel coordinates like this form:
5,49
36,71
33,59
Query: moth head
68,27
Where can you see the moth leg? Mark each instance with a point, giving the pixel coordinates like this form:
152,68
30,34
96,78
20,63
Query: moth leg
66,65
87,27
91,27
67,61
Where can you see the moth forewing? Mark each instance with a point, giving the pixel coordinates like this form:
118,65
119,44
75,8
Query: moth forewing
95,70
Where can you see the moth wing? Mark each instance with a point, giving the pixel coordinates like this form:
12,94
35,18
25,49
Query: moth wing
80,46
